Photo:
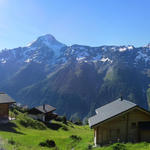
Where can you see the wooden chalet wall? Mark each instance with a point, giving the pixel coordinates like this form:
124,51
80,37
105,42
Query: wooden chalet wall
4,110
123,128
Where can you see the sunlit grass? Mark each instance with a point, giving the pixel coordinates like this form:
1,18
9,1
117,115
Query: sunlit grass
29,138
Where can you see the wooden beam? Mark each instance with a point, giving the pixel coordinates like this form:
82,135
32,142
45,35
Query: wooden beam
127,124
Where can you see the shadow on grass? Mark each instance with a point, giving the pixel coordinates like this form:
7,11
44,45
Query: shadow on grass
53,126
9,127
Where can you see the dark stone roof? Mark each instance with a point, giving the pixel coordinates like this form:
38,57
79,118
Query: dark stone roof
4,98
45,109
110,110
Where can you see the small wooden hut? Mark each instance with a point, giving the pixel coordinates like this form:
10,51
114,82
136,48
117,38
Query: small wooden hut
44,113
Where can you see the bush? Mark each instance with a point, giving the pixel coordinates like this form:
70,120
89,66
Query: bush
48,143
65,128
59,118
89,147
16,112
15,108
79,122
11,141
42,144
75,138
119,146
86,122
62,119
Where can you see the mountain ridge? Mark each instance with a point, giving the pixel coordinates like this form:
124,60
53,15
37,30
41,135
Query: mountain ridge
75,79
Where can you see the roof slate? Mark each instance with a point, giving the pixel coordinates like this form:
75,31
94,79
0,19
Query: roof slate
110,110
4,98
48,108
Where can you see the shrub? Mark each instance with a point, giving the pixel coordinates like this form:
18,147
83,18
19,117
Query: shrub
75,137
59,118
16,112
19,108
62,119
42,144
48,143
11,141
65,128
89,147
119,146
79,122
86,122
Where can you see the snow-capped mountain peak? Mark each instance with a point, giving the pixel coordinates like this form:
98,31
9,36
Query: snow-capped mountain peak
44,49
47,37
46,40
45,45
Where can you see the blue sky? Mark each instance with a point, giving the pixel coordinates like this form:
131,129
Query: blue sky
87,22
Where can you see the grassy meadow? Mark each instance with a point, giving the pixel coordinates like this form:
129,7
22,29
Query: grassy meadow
25,133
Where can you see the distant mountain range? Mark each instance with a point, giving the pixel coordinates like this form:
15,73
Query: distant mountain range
75,79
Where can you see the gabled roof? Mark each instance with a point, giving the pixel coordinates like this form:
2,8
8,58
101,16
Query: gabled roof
4,98
45,108
110,110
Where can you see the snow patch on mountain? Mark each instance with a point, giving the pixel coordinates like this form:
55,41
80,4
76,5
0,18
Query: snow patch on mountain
106,59
122,49
104,48
142,56
80,58
130,47
3,61
28,60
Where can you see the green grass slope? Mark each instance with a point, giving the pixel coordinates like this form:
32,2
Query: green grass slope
25,133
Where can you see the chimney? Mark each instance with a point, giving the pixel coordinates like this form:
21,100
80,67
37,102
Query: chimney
44,107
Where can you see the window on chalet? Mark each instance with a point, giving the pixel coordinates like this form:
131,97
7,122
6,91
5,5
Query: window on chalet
133,125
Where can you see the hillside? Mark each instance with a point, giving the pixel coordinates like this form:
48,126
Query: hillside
75,79
25,133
